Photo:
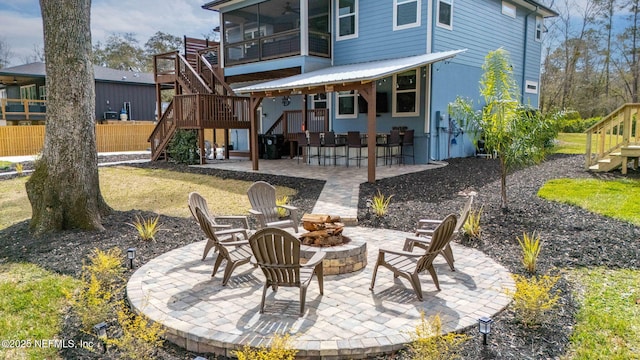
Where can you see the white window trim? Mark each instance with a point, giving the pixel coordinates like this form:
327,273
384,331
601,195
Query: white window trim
539,27
529,83
438,23
512,11
355,19
395,14
355,106
394,100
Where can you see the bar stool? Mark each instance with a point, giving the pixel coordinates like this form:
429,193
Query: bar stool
330,142
315,142
354,142
393,142
407,141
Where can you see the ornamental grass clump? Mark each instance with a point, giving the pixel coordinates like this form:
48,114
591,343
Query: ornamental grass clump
471,228
279,349
19,169
283,200
428,342
534,300
530,245
380,204
147,228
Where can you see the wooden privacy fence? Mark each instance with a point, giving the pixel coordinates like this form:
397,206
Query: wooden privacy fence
28,140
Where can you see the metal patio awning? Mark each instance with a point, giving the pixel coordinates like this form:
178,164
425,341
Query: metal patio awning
360,73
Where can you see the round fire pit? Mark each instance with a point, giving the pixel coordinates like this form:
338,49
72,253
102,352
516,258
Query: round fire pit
350,256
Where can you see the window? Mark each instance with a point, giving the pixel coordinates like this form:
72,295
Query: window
531,87
347,19
320,101
406,14
28,92
539,28
445,14
347,101
508,9
405,93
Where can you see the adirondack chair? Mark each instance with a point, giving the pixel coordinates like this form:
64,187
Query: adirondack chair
235,253
425,229
277,253
197,201
410,264
262,197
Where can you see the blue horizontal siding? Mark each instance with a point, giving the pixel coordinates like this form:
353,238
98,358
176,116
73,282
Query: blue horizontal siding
376,39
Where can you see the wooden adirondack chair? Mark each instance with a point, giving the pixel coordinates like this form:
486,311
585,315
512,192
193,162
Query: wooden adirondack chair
262,197
277,253
235,253
425,229
222,230
409,264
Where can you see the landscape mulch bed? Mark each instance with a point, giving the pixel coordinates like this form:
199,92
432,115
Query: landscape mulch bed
572,238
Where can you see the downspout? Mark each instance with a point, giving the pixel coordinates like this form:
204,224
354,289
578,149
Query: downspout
524,54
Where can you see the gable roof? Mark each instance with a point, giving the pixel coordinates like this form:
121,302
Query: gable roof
350,73
101,73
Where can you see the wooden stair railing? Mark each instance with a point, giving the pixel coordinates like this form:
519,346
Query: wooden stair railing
162,133
615,131
212,77
189,78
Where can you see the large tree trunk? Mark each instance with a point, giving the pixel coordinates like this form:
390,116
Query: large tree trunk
64,190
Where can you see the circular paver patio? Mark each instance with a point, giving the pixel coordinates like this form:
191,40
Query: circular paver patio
349,321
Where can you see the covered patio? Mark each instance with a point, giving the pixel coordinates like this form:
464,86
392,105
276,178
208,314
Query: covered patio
361,77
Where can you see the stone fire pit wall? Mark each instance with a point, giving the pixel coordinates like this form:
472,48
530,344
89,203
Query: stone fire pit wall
340,259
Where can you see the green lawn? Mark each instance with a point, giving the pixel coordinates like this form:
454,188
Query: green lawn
607,321
613,198
571,143
33,302
161,191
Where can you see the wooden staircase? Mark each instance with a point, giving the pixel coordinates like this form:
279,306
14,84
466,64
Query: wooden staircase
615,140
202,100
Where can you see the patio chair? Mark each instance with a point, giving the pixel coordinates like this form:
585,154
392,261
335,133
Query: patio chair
409,264
330,143
262,197
407,143
315,142
392,142
354,142
277,253
424,231
197,201
235,253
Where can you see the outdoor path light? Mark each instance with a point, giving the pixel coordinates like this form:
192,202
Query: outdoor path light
484,326
101,332
131,254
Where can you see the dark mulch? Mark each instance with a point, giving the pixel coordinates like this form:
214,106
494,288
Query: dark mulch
572,238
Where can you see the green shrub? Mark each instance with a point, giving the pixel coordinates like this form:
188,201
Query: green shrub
183,147
428,342
471,228
533,300
19,169
147,228
380,204
530,245
571,122
280,349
